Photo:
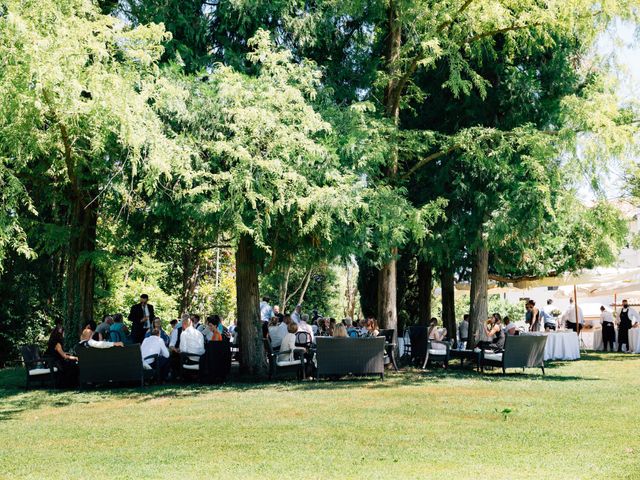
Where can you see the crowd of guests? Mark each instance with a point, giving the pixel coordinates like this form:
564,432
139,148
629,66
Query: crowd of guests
282,329
159,349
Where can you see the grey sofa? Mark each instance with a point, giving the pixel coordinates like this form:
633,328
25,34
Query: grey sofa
520,351
355,356
110,365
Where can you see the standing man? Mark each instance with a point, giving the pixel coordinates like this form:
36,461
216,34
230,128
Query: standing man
463,332
608,329
548,321
295,316
141,316
626,319
266,312
569,316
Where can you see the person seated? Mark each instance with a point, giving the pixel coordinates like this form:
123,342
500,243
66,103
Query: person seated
153,344
305,327
289,343
463,332
118,331
351,330
102,330
495,336
277,331
195,322
362,327
191,340
340,331
87,340
332,325
434,333
510,327
157,325
216,331
66,363
323,327
372,328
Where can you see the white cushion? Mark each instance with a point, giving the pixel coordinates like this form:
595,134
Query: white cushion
191,367
287,363
477,350
433,351
42,371
493,356
146,367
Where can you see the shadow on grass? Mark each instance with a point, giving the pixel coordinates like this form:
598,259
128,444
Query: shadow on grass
15,399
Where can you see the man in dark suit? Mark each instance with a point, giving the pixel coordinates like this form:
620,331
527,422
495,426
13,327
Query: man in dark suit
141,316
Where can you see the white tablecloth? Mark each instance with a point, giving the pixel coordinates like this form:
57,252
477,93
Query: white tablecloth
562,345
634,340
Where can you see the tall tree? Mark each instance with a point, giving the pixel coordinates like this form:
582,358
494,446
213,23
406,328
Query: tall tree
84,116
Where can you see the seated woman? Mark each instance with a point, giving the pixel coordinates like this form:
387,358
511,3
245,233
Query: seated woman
493,332
66,363
434,333
215,331
372,328
340,331
118,331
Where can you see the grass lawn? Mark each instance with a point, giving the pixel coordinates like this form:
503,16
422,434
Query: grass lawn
580,421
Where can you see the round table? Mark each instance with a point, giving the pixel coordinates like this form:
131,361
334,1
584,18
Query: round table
634,340
561,345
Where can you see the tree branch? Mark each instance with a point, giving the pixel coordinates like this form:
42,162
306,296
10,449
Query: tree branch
425,160
450,22
491,33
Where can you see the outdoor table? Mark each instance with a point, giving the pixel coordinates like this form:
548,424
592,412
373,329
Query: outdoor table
471,355
561,345
634,340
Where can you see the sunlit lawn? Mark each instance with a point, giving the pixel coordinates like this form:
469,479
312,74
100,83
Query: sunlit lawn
579,421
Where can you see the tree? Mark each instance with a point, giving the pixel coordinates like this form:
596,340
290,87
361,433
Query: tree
84,117
271,178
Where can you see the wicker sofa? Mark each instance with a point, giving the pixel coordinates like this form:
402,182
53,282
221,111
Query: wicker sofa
111,365
520,351
350,356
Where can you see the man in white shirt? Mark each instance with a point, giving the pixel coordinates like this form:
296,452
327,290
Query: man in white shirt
295,316
277,333
569,316
191,340
154,345
266,312
303,326
608,328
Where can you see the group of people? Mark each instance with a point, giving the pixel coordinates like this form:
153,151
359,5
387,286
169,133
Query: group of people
282,328
158,348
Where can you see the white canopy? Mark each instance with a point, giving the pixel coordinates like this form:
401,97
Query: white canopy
608,279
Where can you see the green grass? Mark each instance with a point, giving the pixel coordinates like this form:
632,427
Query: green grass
580,421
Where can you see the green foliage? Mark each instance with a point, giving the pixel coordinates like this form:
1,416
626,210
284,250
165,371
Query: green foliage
123,281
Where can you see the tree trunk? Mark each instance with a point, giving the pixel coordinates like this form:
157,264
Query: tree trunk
448,302
190,276
425,288
80,271
252,360
368,288
387,282
387,291
305,286
479,283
